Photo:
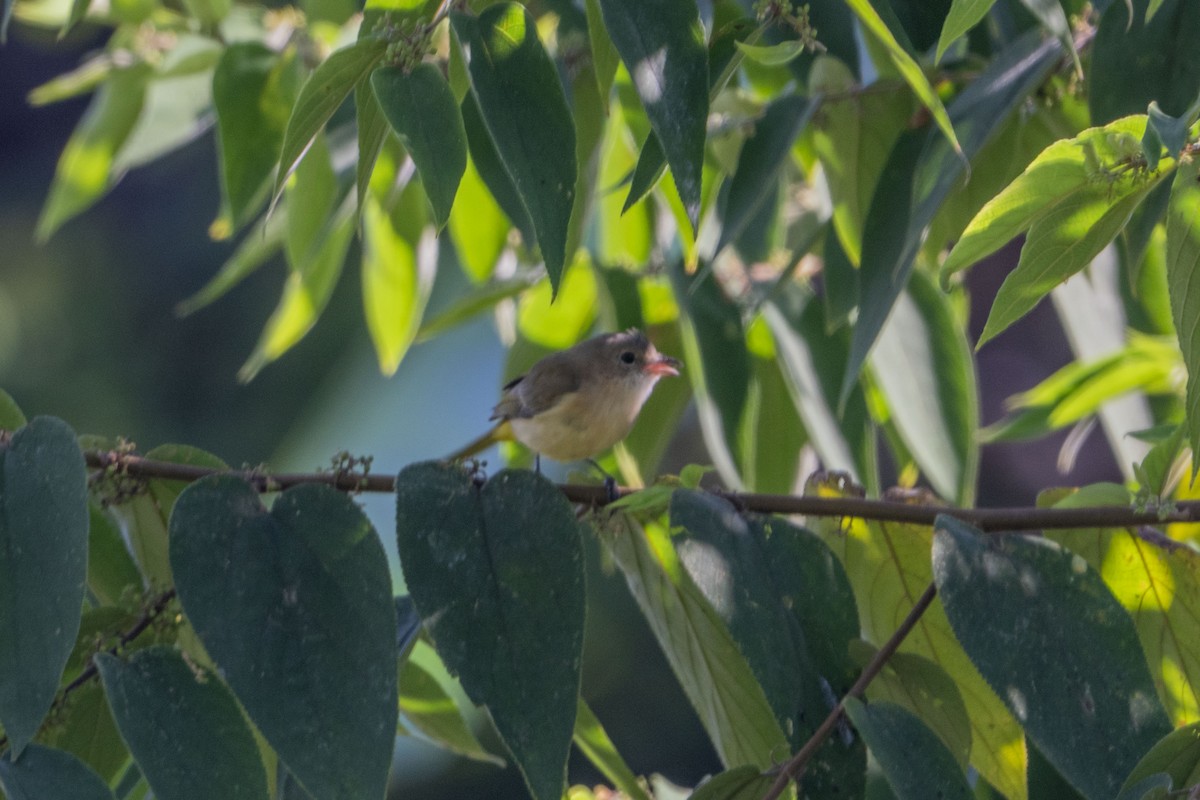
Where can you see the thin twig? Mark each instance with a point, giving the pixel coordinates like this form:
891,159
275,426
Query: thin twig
794,768
986,519
90,671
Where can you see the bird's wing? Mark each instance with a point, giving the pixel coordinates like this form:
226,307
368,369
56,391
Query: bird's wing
544,386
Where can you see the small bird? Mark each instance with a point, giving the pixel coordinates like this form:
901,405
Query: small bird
577,403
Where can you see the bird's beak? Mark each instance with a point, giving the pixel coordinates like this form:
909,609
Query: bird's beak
663,365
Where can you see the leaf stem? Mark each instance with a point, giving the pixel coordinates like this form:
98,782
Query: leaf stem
794,767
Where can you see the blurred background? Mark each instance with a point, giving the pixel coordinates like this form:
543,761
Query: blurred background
88,333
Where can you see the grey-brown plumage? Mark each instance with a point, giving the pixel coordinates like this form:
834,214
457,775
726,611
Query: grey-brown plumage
579,402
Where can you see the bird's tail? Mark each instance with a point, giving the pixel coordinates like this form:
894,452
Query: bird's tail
501,433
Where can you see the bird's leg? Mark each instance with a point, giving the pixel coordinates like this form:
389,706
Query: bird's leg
610,483
537,463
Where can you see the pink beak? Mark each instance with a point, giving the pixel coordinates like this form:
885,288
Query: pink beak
663,365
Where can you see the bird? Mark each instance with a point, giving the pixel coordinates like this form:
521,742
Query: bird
576,403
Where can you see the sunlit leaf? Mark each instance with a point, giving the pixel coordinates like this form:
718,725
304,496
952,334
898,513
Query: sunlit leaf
1183,265
592,740
962,16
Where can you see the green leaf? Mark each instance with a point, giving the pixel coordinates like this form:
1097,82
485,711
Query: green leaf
471,304
305,294
1143,59
84,172
915,762
42,772
526,115
295,606
889,563
762,158
907,67
923,365
427,705
963,15
739,783
398,273
89,732
774,55
718,363
1158,583
496,572
925,689
478,228
714,675
321,95
183,727
372,131
1177,754
494,175
110,567
176,109
252,93
1183,266
605,58
260,244
1043,780
423,112
43,564
592,740
1050,638
662,46
1059,244
905,203
767,579
11,417
311,198
145,515
853,140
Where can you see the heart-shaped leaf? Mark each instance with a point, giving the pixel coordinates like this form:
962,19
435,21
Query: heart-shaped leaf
295,606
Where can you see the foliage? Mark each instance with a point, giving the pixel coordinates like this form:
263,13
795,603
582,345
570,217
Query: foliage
789,197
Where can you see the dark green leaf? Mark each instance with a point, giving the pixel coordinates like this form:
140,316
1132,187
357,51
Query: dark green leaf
1044,781
42,772
372,130
1183,266
43,567
714,675
592,740
739,783
1152,787
718,363
1177,755
918,684
839,283
907,199
471,304
325,90
605,58
914,760
524,110
497,574
1048,636
183,727
651,165
492,171
762,157
767,580
662,45
422,110
252,97
89,732
1136,62
5,15
295,606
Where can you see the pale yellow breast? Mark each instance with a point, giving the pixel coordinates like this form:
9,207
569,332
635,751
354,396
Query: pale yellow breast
583,424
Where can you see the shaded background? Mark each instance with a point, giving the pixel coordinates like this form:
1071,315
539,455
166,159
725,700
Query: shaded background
88,333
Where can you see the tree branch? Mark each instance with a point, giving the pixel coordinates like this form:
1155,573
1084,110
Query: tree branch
794,768
986,519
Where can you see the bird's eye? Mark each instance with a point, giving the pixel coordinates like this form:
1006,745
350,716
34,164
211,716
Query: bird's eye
628,357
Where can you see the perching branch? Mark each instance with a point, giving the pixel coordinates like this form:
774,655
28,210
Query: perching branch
794,767
986,519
